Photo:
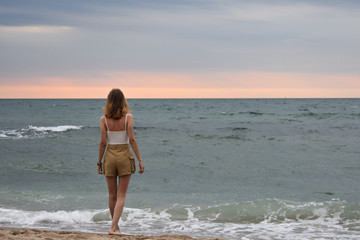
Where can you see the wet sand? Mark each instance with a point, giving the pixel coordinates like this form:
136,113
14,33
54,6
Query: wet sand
13,233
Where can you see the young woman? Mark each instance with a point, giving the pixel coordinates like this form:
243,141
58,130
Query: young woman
117,132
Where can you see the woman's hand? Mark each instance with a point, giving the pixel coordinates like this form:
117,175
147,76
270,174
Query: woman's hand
141,165
100,171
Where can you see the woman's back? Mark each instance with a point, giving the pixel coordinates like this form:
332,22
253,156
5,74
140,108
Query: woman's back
116,124
116,131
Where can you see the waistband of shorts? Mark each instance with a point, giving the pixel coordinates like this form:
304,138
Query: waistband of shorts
118,146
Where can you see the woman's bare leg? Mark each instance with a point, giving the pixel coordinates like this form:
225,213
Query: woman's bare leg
120,201
112,186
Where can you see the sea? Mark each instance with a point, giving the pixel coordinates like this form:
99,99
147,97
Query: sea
219,168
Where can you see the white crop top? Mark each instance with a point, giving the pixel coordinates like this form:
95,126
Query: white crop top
117,137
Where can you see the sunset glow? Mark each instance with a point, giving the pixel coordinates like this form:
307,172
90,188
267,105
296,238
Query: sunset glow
176,85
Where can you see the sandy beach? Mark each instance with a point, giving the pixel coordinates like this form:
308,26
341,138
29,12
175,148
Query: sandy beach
9,233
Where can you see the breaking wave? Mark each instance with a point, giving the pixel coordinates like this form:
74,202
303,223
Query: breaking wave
35,132
267,218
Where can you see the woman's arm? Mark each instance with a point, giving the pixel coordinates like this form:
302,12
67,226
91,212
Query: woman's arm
102,145
133,143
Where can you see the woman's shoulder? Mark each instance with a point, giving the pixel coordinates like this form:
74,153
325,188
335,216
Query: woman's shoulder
102,119
129,117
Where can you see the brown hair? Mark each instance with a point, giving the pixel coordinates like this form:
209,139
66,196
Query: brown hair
116,105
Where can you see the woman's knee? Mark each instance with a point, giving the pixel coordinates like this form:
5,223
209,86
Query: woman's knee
112,196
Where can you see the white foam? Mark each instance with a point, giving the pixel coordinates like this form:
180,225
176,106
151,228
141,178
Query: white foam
159,222
34,218
62,128
35,132
2,135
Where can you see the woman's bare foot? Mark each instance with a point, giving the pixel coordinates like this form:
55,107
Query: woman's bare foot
116,233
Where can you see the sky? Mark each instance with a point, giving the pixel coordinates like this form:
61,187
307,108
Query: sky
180,48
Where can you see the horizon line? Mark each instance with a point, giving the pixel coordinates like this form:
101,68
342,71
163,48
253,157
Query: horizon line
179,98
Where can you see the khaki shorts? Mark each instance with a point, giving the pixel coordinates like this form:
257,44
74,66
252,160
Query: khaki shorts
118,160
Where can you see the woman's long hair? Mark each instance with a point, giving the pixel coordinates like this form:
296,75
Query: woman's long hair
116,105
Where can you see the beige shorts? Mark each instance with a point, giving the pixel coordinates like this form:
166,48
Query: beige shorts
118,160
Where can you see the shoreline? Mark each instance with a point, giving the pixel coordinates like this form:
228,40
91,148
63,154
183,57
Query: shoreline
24,233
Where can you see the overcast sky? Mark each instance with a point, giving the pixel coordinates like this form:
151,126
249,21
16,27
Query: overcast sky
198,48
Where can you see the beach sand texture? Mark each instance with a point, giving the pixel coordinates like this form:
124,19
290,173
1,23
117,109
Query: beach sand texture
9,234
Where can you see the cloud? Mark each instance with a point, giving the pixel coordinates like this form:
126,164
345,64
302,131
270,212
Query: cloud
202,43
34,29
208,35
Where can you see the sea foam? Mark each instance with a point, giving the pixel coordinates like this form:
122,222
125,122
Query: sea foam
62,128
35,132
313,219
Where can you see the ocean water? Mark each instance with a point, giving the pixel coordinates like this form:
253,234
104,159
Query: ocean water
229,168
